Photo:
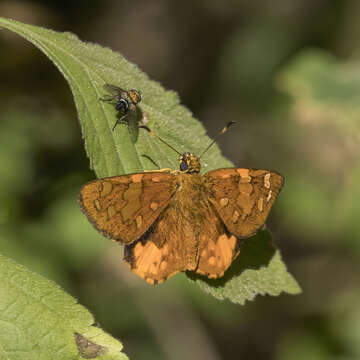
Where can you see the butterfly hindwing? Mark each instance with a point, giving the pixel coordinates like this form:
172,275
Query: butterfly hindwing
158,254
154,263
243,197
216,254
174,243
162,252
124,207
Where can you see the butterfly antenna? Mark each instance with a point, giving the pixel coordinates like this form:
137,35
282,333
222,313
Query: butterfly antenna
224,130
158,137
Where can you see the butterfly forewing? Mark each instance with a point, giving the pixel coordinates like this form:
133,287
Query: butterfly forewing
124,207
243,197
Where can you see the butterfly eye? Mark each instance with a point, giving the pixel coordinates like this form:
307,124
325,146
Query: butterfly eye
184,165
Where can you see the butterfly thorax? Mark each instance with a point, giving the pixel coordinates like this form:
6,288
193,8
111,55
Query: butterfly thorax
190,217
190,199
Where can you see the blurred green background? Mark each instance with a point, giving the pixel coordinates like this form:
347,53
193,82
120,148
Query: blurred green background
289,73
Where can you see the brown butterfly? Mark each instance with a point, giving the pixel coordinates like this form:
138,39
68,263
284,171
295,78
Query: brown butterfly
125,102
179,220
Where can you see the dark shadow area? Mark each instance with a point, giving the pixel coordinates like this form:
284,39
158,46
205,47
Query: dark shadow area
255,252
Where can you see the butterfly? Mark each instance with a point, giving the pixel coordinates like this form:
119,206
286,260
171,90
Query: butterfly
125,101
179,220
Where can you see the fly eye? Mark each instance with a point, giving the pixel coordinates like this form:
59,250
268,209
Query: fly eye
183,166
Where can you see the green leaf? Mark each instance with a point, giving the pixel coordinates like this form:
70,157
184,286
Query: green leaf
87,67
38,320
323,89
257,270
325,94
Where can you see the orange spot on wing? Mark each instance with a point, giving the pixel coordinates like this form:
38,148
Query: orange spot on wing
106,188
235,216
137,177
111,211
260,204
139,221
267,180
269,196
212,261
154,205
97,204
243,172
138,249
245,188
224,202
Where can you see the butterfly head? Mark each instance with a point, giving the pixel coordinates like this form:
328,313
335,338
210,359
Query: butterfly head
189,163
135,96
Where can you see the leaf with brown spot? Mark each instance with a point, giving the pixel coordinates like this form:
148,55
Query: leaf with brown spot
39,320
88,349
